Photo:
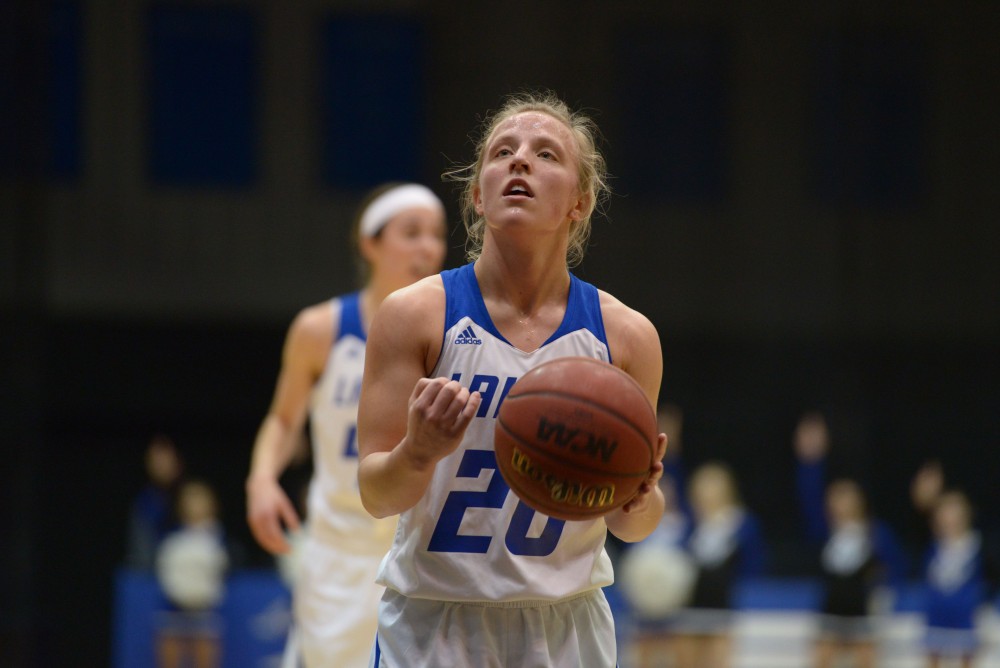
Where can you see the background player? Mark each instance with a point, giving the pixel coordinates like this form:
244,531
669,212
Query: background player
475,577
400,236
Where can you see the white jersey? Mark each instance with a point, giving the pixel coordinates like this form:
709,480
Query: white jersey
335,512
468,538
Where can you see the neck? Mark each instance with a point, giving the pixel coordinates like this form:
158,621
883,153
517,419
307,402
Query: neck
372,296
524,277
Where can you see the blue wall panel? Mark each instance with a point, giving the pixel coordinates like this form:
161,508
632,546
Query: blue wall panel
673,90
204,81
867,145
372,100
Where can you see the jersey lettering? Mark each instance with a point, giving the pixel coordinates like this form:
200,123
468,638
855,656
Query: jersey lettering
487,386
351,442
347,391
446,537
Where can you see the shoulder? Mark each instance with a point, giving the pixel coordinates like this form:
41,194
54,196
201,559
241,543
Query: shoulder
409,320
414,302
312,332
632,338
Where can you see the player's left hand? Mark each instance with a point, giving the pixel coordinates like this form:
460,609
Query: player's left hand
650,484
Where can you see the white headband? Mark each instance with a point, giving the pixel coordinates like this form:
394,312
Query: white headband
389,204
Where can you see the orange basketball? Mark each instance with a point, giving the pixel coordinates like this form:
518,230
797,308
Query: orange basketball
575,438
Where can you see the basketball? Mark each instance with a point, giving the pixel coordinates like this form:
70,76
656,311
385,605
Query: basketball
575,438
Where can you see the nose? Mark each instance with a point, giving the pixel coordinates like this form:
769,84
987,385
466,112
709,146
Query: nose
519,163
429,244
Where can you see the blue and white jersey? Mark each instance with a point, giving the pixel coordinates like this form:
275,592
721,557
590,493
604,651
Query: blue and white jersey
335,511
955,582
469,538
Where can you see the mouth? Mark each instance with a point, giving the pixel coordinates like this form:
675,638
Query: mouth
517,188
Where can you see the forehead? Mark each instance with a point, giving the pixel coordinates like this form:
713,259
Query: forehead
416,216
532,124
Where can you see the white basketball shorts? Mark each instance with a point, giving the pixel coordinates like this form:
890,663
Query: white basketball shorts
336,606
577,632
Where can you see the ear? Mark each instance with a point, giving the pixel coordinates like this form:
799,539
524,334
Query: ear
581,205
477,199
367,246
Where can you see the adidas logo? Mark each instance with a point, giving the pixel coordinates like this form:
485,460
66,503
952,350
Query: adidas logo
468,336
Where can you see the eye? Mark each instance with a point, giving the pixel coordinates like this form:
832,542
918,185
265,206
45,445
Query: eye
504,152
411,231
547,155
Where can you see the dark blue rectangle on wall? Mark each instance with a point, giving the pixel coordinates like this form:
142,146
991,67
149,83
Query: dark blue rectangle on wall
65,89
204,75
15,102
673,89
867,137
41,90
372,100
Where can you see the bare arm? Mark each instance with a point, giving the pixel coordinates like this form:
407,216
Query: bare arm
406,421
306,348
635,348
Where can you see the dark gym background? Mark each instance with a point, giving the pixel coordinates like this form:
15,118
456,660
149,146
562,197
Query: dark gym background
806,207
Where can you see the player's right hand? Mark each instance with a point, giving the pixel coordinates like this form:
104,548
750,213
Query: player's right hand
439,412
269,511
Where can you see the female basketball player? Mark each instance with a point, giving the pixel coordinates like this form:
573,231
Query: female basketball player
475,577
400,235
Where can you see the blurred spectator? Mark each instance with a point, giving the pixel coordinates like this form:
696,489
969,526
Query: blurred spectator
656,574
191,565
859,552
956,581
151,516
926,487
726,545
670,421
656,577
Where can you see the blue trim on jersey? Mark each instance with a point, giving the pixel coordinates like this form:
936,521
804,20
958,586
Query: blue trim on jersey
464,298
350,317
378,653
583,311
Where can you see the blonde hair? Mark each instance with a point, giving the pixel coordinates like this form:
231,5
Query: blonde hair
590,167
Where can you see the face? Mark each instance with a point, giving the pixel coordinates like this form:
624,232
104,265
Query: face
411,246
951,518
710,492
196,504
844,503
163,463
530,174
670,421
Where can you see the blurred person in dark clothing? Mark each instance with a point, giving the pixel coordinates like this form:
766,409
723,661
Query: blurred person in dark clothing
726,545
151,516
860,554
